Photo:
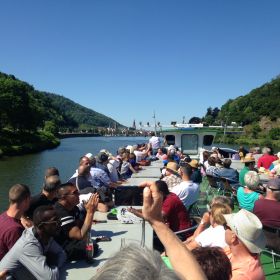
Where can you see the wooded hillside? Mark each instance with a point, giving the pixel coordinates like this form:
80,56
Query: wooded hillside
26,109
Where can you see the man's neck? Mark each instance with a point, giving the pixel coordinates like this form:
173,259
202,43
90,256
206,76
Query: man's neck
270,197
48,195
66,205
14,212
239,253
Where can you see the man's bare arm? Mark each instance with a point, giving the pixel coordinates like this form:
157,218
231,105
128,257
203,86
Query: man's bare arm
182,260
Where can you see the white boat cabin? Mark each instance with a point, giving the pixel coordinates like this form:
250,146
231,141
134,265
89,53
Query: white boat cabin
191,139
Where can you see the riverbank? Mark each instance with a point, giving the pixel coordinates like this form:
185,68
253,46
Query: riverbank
13,143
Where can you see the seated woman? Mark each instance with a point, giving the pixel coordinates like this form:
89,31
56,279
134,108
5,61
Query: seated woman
247,195
173,211
215,234
205,220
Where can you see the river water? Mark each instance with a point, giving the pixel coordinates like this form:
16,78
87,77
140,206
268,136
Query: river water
29,169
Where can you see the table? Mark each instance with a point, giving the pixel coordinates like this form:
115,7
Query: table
116,230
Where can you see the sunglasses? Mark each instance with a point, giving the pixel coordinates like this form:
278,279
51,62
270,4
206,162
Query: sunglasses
57,222
226,227
274,190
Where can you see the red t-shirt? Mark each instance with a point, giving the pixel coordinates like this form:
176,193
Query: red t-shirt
10,231
175,213
266,160
268,211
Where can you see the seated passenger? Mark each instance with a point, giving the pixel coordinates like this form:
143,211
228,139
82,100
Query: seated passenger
11,227
268,209
247,196
212,169
196,174
172,177
174,213
126,169
214,236
73,230
249,165
246,240
229,173
266,159
187,190
214,262
36,255
47,195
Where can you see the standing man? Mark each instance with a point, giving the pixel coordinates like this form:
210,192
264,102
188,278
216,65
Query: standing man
36,255
154,141
11,227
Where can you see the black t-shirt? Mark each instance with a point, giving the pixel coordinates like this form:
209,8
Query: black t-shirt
36,201
68,220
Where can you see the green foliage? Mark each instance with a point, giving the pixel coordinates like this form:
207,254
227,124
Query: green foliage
274,133
25,109
248,109
51,127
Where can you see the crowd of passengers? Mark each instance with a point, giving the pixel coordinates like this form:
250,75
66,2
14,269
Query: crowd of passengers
40,232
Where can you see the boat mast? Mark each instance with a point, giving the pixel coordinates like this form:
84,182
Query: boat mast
154,117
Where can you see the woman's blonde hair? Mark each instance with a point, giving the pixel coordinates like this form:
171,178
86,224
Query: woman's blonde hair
217,212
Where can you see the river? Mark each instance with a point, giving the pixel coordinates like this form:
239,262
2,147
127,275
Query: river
29,169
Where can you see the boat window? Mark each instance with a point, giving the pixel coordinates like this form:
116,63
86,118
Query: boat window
170,139
208,140
189,144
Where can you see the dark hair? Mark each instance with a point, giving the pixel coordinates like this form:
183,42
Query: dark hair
18,193
62,189
162,187
214,262
212,161
51,171
227,163
38,215
51,183
186,169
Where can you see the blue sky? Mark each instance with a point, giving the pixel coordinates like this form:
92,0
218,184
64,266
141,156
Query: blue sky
127,58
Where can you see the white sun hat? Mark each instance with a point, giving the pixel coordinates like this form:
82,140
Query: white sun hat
248,229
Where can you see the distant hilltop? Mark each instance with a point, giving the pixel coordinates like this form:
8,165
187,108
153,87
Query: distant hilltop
25,108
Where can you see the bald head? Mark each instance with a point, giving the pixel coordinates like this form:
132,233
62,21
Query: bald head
51,183
51,171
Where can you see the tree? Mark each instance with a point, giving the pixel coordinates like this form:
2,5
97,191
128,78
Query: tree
195,120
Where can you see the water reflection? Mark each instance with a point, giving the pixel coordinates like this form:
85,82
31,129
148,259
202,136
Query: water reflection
29,169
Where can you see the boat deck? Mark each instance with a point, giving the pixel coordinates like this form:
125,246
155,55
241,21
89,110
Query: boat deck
133,233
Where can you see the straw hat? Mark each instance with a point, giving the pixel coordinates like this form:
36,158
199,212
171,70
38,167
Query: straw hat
194,163
248,229
248,158
172,167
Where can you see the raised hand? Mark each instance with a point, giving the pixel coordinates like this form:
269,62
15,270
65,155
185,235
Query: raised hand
92,203
152,204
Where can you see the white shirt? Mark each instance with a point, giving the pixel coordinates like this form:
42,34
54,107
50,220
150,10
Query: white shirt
155,142
212,236
187,191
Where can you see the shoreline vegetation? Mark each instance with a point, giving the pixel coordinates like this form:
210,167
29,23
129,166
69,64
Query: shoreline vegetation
14,143
21,143
33,121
